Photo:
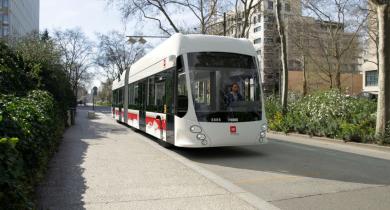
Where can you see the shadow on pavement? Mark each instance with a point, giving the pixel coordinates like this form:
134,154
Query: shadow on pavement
64,185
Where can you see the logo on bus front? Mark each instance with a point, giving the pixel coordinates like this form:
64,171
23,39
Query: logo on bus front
233,129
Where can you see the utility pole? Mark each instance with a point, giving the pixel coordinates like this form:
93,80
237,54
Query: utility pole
224,23
94,93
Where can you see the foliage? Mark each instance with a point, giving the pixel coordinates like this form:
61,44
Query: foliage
30,129
15,76
328,113
41,51
34,97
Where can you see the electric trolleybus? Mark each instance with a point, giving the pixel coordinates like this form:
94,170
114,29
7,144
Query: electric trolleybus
195,91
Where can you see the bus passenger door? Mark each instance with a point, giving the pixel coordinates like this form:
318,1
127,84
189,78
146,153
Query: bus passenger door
169,105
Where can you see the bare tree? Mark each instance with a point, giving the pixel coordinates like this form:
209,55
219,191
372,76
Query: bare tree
155,10
115,54
76,51
165,13
243,14
105,92
370,36
203,10
383,110
312,44
343,21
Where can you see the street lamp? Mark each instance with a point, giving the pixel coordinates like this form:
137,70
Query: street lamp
132,40
142,40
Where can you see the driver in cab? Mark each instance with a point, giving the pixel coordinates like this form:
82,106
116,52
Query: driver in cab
234,95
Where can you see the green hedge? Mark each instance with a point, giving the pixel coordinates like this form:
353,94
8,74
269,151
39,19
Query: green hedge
328,113
35,94
30,128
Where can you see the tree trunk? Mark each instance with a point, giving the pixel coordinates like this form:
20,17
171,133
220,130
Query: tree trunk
304,76
283,57
383,109
338,76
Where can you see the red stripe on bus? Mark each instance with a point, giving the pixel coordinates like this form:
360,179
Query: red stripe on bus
132,116
151,120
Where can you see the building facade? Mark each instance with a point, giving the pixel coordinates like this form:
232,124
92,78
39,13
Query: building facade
263,32
18,17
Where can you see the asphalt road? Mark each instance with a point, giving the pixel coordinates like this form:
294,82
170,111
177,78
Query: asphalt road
297,176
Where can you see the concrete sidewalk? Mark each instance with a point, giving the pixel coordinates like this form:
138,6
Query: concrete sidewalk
104,165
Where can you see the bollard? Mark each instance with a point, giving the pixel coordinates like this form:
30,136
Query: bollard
68,120
72,115
91,114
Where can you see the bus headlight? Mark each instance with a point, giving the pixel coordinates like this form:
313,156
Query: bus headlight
264,127
195,129
263,134
201,137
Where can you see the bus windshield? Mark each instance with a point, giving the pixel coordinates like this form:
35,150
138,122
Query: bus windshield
225,87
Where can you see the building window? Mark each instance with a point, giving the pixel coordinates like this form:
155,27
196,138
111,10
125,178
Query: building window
269,40
372,78
258,52
287,7
257,41
5,30
5,3
254,20
5,19
269,26
269,18
257,29
270,5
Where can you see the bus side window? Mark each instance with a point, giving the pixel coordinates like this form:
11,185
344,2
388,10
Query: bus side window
181,91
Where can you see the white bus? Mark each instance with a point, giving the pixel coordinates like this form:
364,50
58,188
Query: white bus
195,91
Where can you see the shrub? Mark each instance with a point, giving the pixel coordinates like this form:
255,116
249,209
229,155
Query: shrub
14,75
328,113
30,129
12,193
34,96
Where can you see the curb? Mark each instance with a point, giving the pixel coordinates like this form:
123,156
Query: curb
334,141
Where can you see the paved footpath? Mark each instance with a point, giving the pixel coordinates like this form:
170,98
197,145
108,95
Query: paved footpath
104,165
